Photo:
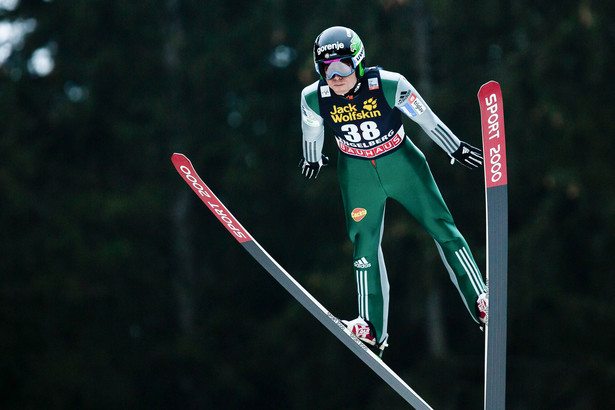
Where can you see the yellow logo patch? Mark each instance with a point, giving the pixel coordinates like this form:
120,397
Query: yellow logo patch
350,112
358,213
370,104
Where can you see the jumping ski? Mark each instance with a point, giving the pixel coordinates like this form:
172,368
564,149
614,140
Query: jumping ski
186,170
496,198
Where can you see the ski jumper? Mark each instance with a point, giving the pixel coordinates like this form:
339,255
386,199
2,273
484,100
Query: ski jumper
378,161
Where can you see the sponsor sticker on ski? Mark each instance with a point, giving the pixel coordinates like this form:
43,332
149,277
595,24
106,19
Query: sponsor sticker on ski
185,169
492,122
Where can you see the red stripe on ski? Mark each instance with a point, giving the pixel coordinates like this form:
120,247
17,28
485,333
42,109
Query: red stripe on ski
186,170
492,122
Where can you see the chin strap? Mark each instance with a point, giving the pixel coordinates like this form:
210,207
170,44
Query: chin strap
353,91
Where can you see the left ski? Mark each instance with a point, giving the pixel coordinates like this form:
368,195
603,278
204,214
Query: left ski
335,326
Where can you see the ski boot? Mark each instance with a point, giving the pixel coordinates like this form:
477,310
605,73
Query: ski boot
364,330
482,310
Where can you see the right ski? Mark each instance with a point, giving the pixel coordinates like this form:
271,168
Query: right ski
186,170
496,198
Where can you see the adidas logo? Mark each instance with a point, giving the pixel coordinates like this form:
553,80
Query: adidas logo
403,96
362,263
465,150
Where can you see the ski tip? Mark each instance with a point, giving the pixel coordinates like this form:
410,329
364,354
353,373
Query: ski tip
490,82
487,85
177,158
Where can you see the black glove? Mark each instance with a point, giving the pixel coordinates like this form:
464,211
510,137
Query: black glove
468,156
311,169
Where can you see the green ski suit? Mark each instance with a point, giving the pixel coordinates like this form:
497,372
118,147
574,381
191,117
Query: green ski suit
377,161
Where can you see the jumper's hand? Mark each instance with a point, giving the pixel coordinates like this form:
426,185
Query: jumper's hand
311,169
468,156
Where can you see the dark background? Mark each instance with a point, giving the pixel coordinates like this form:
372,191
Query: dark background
119,289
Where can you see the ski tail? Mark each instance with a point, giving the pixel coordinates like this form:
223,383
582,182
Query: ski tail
334,325
496,198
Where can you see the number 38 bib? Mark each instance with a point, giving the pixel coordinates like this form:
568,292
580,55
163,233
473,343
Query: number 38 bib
364,126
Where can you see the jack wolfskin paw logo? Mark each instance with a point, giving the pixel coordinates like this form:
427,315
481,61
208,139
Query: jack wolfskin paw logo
370,104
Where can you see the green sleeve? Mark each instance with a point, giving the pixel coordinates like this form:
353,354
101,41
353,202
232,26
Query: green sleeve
389,88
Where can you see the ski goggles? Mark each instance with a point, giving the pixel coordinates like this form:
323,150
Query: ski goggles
340,66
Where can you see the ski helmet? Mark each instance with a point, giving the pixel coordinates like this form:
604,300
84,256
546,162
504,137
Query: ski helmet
339,44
